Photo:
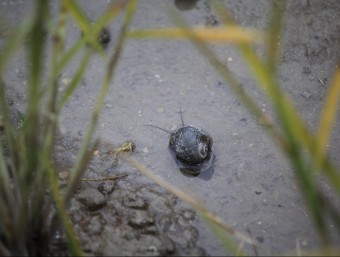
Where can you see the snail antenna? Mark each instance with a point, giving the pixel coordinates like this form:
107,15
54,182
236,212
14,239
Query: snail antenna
180,111
167,131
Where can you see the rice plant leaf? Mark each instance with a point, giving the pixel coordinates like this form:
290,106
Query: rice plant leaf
7,201
290,119
75,80
297,135
284,107
36,46
72,240
111,13
13,41
89,30
274,31
77,14
327,118
69,54
83,23
84,156
225,34
8,127
36,58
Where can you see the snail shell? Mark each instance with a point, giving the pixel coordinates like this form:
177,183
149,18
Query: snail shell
192,147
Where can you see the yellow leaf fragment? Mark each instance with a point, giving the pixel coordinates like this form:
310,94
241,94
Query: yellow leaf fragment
226,34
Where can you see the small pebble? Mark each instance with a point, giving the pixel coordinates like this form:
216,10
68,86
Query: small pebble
108,106
134,202
94,226
244,121
140,219
304,242
81,132
265,119
189,215
306,94
160,109
66,81
307,70
106,188
92,199
63,175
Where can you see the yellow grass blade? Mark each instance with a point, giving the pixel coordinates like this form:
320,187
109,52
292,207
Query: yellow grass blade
213,219
225,34
327,118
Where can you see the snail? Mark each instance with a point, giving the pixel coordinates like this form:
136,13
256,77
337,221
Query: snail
192,148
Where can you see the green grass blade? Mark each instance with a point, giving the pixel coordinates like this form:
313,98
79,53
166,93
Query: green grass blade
77,14
35,58
10,46
7,201
90,31
75,80
289,117
111,13
8,127
274,34
78,170
297,135
309,191
14,40
69,55
83,23
72,240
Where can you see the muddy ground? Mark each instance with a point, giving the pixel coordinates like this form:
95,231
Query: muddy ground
251,186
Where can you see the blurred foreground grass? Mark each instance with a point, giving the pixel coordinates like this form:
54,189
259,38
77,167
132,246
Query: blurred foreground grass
32,206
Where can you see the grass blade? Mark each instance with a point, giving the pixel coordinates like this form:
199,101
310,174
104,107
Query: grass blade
215,221
75,80
296,136
78,169
274,33
225,34
327,119
72,241
77,14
